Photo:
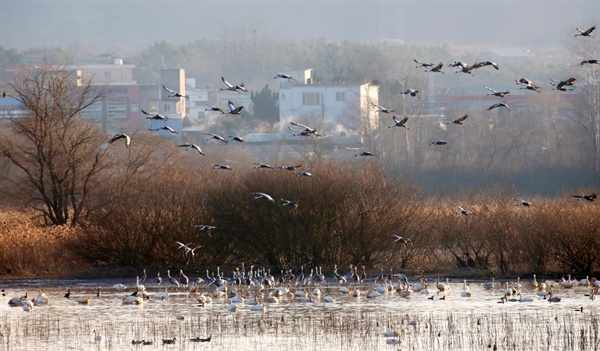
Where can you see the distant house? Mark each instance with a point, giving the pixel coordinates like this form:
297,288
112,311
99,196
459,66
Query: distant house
341,111
505,55
125,98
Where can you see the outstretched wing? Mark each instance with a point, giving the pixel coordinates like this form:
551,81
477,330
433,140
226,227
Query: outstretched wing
169,90
226,82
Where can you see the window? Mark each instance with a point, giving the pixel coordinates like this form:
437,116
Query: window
282,96
340,96
94,111
107,75
116,108
311,99
167,108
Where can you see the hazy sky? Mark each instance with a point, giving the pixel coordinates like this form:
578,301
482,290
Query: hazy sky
97,26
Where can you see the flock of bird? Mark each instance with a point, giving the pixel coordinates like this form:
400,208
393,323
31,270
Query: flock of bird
257,287
523,83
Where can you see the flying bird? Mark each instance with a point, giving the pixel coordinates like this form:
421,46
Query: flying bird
463,67
216,137
412,92
290,168
589,197
438,142
214,108
523,203
400,239
591,62
261,165
462,211
203,227
173,93
585,33
289,203
188,146
383,109
284,76
423,64
306,130
304,174
459,120
365,153
263,196
235,138
527,84
222,166
562,85
487,63
121,136
231,87
155,116
437,68
233,110
499,104
399,122
165,127
500,94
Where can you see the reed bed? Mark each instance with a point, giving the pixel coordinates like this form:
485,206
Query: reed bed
307,327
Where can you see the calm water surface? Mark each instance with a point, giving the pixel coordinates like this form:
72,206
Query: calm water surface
351,323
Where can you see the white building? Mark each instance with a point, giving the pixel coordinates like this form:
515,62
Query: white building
342,111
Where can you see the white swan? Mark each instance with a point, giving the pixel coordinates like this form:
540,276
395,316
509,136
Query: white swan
41,299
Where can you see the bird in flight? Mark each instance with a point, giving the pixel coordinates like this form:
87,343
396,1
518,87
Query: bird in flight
290,168
284,76
214,108
289,203
216,137
438,142
589,197
423,64
411,92
383,109
235,138
399,122
261,165
527,84
304,174
233,110
400,239
365,153
562,85
222,166
523,203
463,211
499,104
437,68
165,127
121,136
188,146
231,87
591,62
155,116
263,196
459,120
173,93
203,227
306,130
585,33
499,94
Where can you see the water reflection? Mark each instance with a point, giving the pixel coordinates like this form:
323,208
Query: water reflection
351,323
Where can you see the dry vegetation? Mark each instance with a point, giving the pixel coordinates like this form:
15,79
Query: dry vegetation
346,215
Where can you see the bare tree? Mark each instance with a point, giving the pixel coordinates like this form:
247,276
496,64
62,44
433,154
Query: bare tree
58,157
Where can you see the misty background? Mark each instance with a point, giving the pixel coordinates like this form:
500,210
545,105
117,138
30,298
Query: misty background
541,150
89,26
